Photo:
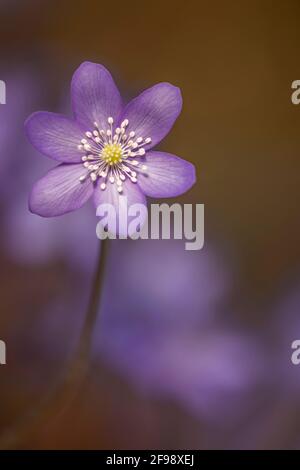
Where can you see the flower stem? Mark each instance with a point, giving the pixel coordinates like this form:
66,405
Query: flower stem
81,358
60,396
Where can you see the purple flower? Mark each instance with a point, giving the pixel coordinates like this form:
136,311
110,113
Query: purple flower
213,373
106,149
169,332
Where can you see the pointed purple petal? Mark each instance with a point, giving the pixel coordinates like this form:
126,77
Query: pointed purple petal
55,136
60,191
95,96
111,196
153,113
166,175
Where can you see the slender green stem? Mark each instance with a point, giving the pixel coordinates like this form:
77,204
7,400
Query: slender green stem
60,396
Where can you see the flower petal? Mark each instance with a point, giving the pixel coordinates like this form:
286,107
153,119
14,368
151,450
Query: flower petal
60,191
121,206
153,112
166,175
95,96
55,136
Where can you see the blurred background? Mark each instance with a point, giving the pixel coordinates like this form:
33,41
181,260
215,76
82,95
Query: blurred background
191,349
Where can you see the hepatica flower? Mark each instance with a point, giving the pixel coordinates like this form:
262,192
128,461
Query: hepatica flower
106,150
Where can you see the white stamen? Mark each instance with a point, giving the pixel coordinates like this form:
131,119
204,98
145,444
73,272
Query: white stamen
107,151
125,123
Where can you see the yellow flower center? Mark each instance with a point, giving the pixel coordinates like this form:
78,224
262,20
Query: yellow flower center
112,154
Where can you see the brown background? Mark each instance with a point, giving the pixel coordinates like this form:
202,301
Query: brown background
234,62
